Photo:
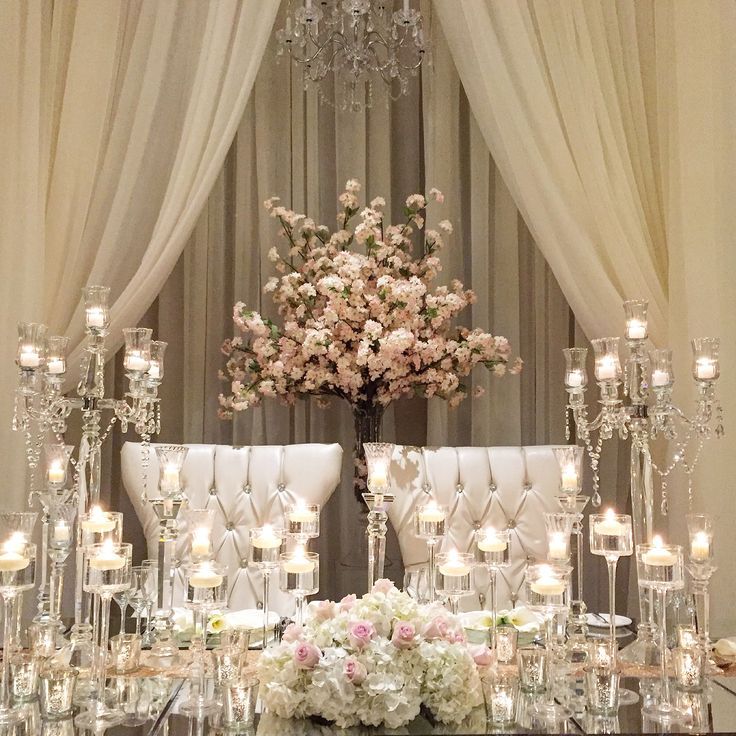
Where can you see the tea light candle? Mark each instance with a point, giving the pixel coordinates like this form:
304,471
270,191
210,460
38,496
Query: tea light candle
62,532
379,478
300,514
201,542
660,378
56,366
569,478
56,472
548,585
298,563
705,369
95,317
431,513
98,522
29,358
107,559
266,539
171,476
657,556
636,329
454,566
491,542
575,378
11,561
609,526
700,547
205,577
605,368
154,369
557,545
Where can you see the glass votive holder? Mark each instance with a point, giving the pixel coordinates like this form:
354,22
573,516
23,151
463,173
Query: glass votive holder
125,652
600,653
239,702
601,685
695,710
240,639
229,663
507,638
687,636
532,663
42,637
24,676
501,694
57,691
302,520
690,668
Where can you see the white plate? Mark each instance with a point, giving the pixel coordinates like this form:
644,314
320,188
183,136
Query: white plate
596,622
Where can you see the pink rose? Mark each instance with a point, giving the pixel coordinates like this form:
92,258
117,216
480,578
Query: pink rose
355,671
306,656
482,655
347,603
437,628
382,586
323,610
361,633
404,635
292,633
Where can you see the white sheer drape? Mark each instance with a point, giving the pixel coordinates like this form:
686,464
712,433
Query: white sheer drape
130,108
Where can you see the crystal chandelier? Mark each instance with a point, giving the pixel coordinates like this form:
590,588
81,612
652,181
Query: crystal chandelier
359,41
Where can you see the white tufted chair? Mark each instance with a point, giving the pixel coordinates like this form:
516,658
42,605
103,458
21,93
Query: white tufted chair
248,487
506,487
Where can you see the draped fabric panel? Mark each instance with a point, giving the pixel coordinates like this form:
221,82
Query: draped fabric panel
290,145
119,117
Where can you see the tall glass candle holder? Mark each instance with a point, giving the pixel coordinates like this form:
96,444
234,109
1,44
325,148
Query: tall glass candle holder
299,576
266,545
206,591
199,530
570,461
493,552
430,522
660,567
378,499
547,591
137,359
701,568
106,571
454,576
17,574
559,528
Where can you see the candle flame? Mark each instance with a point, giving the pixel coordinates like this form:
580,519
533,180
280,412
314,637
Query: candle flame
97,513
299,553
267,530
107,548
453,556
610,515
15,543
657,541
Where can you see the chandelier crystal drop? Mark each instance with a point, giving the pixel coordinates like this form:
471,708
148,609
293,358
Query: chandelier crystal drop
359,42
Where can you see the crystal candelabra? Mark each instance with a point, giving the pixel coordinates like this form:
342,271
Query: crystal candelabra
167,506
42,408
378,499
646,413
357,41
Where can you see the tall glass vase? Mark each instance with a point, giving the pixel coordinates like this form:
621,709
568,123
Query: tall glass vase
368,422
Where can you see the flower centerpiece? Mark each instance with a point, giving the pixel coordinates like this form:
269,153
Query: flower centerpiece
374,660
361,320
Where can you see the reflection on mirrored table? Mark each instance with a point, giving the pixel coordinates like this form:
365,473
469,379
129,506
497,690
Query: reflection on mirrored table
151,708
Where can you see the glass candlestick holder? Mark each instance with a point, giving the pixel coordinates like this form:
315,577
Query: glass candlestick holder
266,545
454,577
378,499
492,551
299,576
660,568
106,571
430,522
206,591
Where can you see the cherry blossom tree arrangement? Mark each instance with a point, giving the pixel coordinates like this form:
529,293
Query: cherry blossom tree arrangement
361,319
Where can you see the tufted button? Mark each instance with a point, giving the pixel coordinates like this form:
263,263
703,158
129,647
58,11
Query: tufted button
514,597
244,564
427,488
511,524
281,487
527,487
459,487
230,526
476,525
213,491
492,488
247,489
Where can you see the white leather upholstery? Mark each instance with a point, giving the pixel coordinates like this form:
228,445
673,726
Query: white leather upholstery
506,487
248,487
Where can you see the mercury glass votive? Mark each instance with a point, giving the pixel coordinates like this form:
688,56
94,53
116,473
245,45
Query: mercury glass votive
532,662
690,668
507,638
42,637
239,703
125,652
602,688
687,636
24,670
501,693
56,689
229,663
601,652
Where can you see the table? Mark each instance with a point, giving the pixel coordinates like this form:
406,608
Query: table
716,709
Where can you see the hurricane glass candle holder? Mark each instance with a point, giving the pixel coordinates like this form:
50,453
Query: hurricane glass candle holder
430,521
570,461
558,525
706,367
56,690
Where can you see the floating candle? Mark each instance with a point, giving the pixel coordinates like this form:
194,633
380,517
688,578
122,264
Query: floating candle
609,526
431,513
12,559
201,542
267,539
491,542
548,585
107,559
301,514
454,566
700,547
657,556
298,563
557,545
98,522
205,577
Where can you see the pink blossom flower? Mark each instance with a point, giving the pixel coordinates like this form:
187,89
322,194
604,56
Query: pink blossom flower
292,633
383,585
306,656
355,671
404,635
346,604
360,633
